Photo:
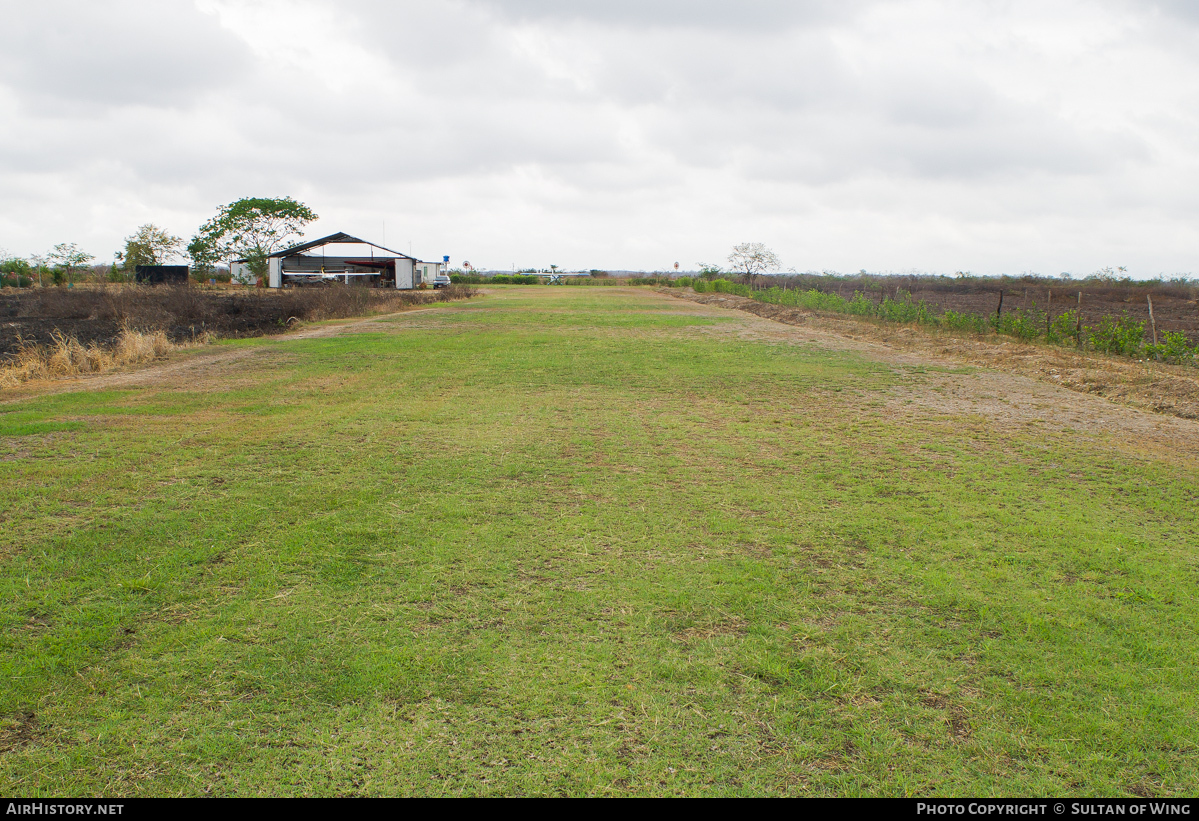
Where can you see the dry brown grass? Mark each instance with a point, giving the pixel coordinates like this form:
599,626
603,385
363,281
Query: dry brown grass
98,314
1152,386
151,322
68,357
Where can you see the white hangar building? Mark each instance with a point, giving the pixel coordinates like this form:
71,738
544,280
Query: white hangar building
341,257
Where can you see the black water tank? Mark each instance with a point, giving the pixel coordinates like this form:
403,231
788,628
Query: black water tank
161,274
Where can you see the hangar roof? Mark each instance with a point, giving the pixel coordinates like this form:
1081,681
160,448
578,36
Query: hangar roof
339,238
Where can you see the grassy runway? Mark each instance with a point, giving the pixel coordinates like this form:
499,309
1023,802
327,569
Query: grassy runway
582,540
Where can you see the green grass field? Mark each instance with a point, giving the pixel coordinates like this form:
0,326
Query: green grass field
582,541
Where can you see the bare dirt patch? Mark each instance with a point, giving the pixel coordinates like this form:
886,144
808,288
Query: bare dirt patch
956,719
704,632
1156,387
1019,389
18,730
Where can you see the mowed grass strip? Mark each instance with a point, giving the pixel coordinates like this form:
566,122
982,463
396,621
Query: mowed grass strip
582,541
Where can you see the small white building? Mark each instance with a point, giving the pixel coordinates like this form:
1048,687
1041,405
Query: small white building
341,257
425,272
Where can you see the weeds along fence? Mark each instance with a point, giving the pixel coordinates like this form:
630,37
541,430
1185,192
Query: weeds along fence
1122,336
716,286
1106,285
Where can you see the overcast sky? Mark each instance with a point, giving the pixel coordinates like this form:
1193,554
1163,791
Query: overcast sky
934,135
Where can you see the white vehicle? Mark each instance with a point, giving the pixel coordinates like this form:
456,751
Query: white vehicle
441,281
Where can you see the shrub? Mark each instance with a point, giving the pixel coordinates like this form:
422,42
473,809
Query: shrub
969,322
724,286
1122,336
821,301
1022,324
590,282
904,310
773,295
860,305
1064,328
1174,348
15,270
202,276
512,279
811,299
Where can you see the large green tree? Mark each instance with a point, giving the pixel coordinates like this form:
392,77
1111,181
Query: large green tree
148,245
251,228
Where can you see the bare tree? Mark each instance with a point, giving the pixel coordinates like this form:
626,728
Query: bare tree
753,258
39,264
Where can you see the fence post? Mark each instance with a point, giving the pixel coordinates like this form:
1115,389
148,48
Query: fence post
1078,322
1152,321
1048,309
999,310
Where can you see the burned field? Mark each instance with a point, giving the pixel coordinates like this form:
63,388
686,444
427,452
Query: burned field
1175,304
96,316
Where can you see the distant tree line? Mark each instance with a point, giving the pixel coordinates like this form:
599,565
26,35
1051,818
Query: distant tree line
251,228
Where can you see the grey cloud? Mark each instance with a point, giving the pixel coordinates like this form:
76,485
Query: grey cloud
1185,10
935,102
786,106
771,71
840,148
115,53
917,123
586,114
745,14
